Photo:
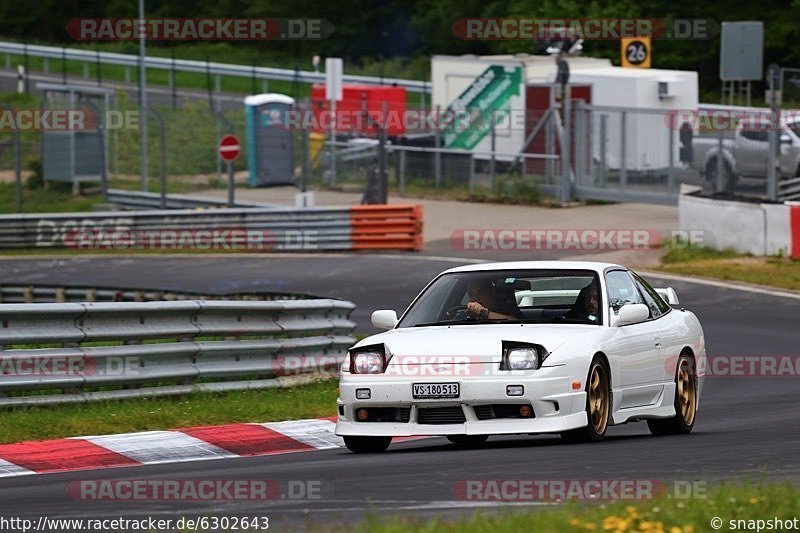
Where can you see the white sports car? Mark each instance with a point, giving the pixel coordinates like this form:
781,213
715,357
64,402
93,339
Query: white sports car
524,347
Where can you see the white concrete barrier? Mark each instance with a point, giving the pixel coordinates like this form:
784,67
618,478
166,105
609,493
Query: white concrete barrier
754,228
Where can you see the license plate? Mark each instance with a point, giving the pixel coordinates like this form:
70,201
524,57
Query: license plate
435,390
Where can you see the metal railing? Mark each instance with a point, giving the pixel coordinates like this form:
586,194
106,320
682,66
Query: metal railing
200,67
386,227
29,294
151,200
116,350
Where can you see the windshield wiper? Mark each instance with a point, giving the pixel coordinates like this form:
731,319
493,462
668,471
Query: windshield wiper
461,322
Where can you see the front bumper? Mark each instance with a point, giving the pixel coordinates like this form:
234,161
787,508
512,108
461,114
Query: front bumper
556,406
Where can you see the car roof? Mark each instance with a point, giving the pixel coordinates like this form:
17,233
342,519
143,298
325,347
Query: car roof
536,265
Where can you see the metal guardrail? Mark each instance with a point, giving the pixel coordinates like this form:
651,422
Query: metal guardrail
386,227
141,349
30,294
202,67
151,200
789,189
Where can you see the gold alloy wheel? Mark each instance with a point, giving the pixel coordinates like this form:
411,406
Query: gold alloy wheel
687,391
598,398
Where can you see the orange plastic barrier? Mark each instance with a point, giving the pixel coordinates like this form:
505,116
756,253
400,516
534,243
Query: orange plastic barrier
386,227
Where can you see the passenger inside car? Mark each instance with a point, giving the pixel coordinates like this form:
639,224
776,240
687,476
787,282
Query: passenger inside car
587,305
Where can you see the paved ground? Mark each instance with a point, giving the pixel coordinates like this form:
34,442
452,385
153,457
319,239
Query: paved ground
444,217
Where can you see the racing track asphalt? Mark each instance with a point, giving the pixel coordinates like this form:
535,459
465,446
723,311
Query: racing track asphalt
747,428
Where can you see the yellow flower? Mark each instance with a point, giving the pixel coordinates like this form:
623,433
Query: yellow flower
753,501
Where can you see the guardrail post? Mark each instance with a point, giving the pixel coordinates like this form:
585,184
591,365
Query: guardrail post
17,164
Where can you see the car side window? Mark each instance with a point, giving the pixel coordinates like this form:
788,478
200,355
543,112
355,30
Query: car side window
653,300
621,290
755,135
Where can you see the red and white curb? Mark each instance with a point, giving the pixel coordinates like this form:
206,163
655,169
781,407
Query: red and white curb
159,447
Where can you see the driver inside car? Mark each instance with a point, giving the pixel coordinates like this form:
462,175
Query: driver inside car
484,303
587,305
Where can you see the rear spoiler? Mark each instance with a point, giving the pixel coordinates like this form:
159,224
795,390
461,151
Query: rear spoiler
669,295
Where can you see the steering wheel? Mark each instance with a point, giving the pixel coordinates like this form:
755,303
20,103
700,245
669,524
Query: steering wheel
458,312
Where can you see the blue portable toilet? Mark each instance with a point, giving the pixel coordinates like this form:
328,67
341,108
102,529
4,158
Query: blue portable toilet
270,143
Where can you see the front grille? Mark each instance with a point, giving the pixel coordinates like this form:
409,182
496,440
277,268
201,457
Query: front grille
483,412
499,410
441,415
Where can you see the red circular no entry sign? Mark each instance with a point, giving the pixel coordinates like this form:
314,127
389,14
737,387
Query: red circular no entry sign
229,147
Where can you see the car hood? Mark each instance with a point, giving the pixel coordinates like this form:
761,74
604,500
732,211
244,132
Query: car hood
482,343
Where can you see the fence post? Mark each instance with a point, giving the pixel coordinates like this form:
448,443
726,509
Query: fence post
305,156
173,82
162,170
565,151
603,148
623,145
17,163
437,157
719,184
580,141
671,168
471,173
402,177
64,65
494,146
97,68
27,68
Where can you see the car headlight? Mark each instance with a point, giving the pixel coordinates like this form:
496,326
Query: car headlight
368,360
368,363
517,356
522,358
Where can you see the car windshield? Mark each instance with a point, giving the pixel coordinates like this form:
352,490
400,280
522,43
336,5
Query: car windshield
501,296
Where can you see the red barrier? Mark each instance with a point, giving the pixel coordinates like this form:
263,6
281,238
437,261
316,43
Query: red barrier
794,224
386,227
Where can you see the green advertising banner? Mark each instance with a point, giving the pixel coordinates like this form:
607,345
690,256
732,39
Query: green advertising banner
470,115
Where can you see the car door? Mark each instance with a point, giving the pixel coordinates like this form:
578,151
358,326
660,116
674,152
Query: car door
670,339
751,150
635,347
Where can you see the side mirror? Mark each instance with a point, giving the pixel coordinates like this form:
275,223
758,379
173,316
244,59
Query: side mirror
669,295
631,314
384,319
786,139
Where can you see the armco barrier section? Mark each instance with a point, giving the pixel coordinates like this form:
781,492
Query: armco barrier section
389,227
152,200
30,294
167,347
747,227
386,227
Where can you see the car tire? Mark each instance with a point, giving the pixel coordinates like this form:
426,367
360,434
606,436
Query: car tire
367,444
598,404
468,441
685,402
728,179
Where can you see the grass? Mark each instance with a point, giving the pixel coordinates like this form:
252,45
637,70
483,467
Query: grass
778,272
35,423
54,200
758,501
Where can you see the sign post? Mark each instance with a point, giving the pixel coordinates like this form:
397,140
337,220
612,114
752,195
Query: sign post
229,149
333,93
